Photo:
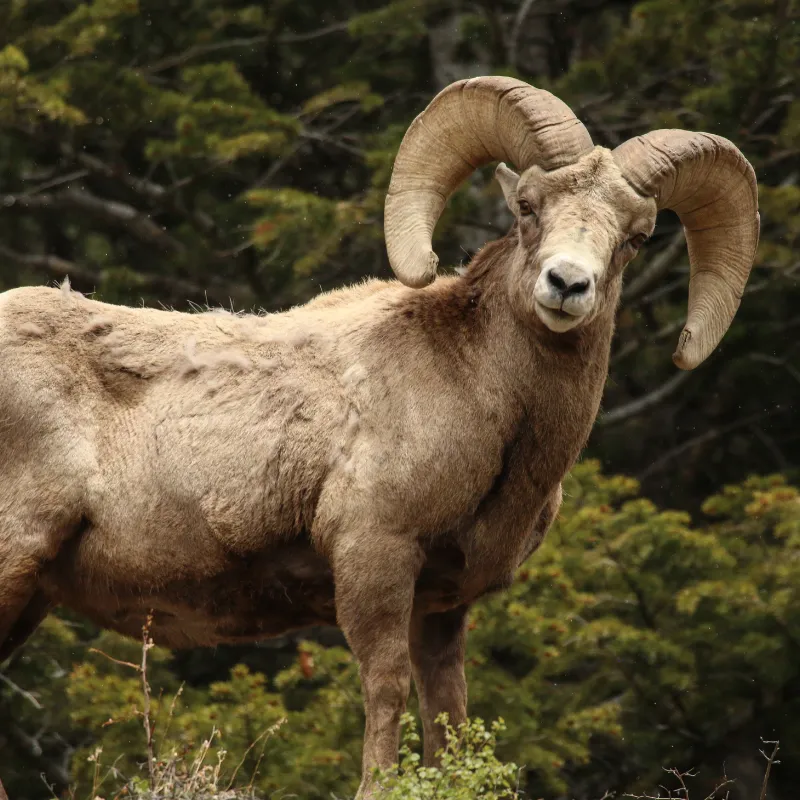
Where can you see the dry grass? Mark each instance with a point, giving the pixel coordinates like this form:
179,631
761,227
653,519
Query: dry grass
680,791
180,775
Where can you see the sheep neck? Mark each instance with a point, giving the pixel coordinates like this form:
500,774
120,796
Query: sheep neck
556,378
544,390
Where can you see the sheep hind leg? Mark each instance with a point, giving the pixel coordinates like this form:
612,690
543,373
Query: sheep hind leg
28,621
438,643
24,549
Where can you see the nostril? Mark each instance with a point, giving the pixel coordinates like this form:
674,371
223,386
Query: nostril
576,288
556,281
567,287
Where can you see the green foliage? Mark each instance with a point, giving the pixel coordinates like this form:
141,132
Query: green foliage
23,98
469,767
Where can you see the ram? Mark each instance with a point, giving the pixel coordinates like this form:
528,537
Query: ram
379,458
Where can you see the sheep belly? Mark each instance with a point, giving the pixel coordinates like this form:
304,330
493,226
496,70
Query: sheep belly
288,586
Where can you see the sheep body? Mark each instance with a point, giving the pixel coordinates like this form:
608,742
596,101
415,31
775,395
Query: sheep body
202,465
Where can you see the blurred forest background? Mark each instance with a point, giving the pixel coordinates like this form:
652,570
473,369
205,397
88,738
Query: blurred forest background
180,152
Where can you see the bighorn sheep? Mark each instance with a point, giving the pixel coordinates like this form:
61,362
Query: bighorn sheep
378,458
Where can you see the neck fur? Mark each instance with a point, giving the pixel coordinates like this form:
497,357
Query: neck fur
581,355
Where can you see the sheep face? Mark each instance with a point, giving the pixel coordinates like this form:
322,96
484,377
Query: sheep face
577,228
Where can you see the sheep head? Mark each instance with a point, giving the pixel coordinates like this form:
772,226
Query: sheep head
577,227
582,211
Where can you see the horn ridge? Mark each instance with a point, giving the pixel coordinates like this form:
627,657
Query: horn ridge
712,187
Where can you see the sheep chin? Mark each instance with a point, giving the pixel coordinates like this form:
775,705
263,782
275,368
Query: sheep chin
557,321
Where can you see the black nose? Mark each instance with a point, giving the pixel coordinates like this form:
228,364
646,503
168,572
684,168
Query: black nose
565,289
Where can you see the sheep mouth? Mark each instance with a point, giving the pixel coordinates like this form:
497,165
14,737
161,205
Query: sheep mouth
557,319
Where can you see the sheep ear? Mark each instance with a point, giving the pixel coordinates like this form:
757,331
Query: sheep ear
508,180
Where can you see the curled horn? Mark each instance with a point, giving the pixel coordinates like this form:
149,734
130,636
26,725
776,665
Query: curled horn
468,124
711,186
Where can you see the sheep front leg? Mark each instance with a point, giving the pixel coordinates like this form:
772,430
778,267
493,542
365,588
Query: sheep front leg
438,642
375,579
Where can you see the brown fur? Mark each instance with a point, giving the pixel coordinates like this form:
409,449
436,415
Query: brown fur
376,459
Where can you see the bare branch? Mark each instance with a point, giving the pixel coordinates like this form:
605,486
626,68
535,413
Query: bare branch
497,39
58,181
655,270
771,446
706,436
318,136
140,185
178,289
278,164
33,748
645,403
204,49
516,29
166,196
771,759
147,644
632,345
768,283
307,36
608,136
682,791
140,225
20,691
58,267
777,362
197,51
122,215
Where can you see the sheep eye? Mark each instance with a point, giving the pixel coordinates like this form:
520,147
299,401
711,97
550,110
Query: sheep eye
525,208
637,241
